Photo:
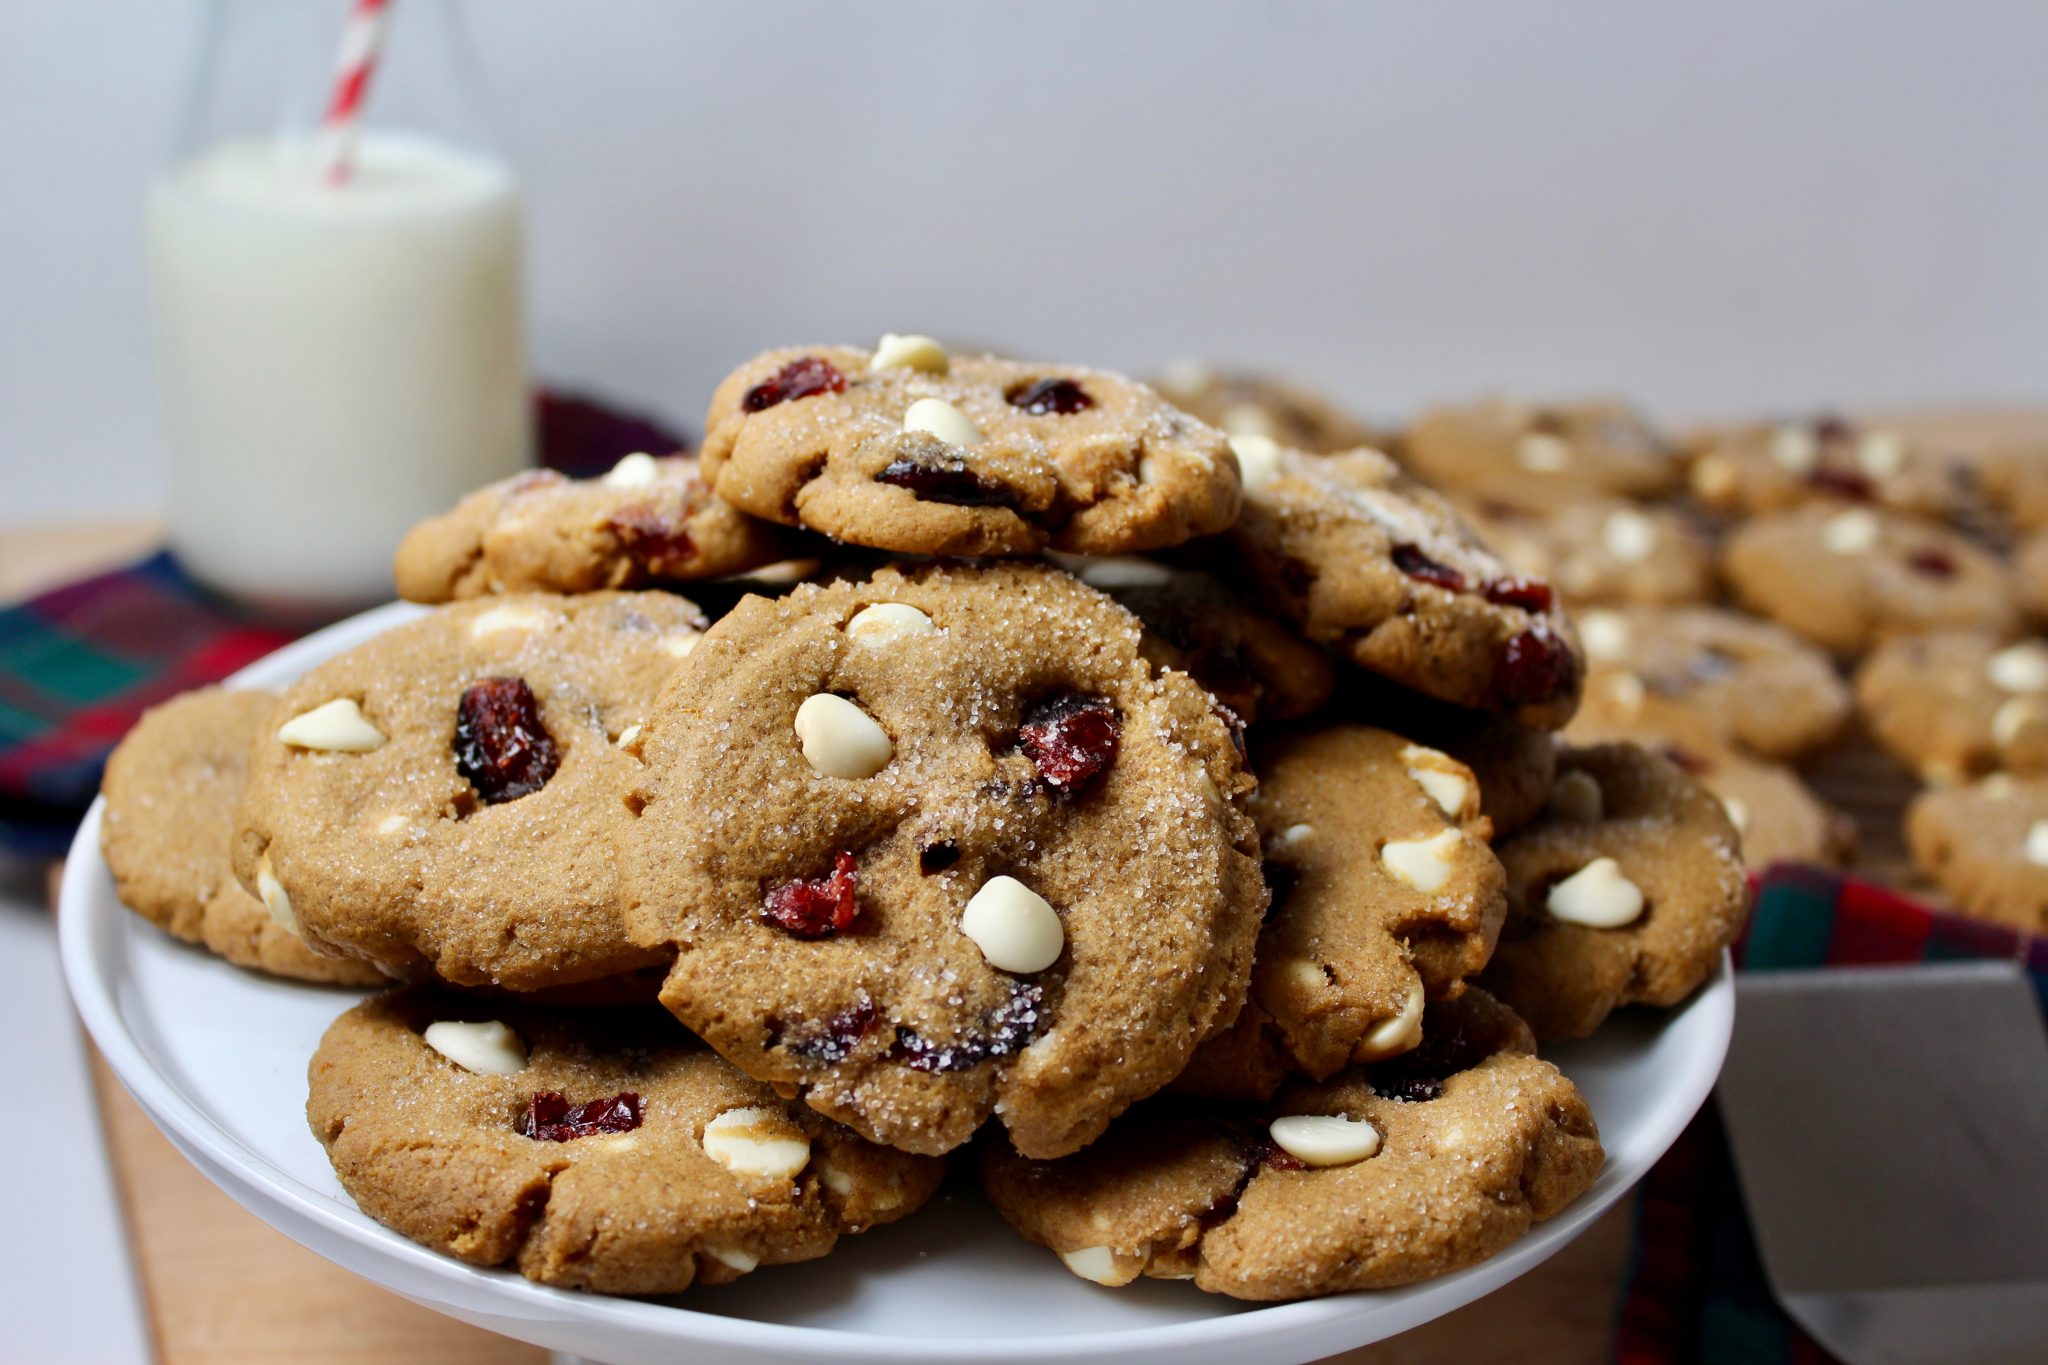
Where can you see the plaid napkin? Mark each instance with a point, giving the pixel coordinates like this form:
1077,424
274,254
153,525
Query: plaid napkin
1696,1291
80,663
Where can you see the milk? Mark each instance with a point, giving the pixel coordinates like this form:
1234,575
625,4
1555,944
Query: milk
337,362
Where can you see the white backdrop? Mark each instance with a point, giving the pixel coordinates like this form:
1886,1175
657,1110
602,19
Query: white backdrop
1710,206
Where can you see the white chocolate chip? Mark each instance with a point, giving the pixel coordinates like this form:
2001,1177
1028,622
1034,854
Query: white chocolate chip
737,1259
841,740
1112,572
910,351
1576,797
1543,452
1325,1139
943,420
1738,813
1440,777
272,893
1605,633
627,736
1881,453
1597,896
1308,976
336,727
1258,459
1100,1265
2037,843
1998,786
1424,864
488,1049
2020,668
508,616
1796,448
391,824
757,1142
1292,836
2015,716
1016,929
682,643
1715,477
781,573
1390,1037
885,623
1625,690
1629,536
1246,419
637,470
837,1181
1854,532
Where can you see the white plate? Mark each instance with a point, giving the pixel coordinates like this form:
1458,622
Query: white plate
218,1059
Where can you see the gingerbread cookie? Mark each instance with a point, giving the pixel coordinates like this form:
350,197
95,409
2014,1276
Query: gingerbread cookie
1243,404
1542,453
939,845
1359,555
1625,892
1384,895
907,448
648,521
1772,466
1604,550
441,798
1383,1176
600,1150
1849,579
1956,704
1986,844
170,790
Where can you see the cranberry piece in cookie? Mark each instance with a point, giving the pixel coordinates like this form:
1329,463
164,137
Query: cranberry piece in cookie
1410,560
1047,396
501,746
1071,739
819,908
659,543
946,479
1530,594
1535,667
549,1116
800,378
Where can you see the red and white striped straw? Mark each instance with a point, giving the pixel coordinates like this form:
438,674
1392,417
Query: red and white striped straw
361,41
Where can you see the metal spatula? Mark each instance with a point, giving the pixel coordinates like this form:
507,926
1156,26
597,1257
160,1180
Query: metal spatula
1890,1128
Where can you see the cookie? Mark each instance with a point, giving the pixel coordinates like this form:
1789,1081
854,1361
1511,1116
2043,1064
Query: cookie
939,845
648,521
603,1150
1358,555
2030,575
1957,704
1624,893
1850,579
1249,661
1383,1176
907,448
2014,476
1779,818
441,798
1549,452
170,790
1768,467
1244,404
1683,672
1385,894
1986,844
1604,550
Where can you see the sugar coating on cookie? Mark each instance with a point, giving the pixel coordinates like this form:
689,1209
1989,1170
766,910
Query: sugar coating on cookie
602,1154
1986,845
475,841
822,925
1473,1140
171,786
983,457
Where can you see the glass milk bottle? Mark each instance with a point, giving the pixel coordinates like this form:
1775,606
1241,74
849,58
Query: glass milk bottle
336,301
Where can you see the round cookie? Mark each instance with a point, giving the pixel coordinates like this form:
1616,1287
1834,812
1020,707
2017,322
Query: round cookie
170,789
1849,579
1604,550
1244,404
1956,704
1686,671
1358,554
939,845
909,449
1768,467
1624,893
1779,818
1438,1160
667,1168
648,521
1541,452
1986,844
1384,895
442,797
2015,478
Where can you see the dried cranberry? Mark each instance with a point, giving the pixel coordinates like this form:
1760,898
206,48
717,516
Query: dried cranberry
842,1033
1071,739
1043,396
550,1118
1410,560
1934,562
1447,1048
1534,667
819,908
936,858
1685,760
1530,594
945,479
1009,1028
1409,1089
1278,1158
800,378
1842,482
500,744
656,541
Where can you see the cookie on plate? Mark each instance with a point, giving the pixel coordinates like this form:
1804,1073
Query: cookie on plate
907,448
1361,556
589,1149
1957,704
1851,578
1684,671
1563,452
441,797
939,845
1385,895
1625,892
1768,467
1986,844
1383,1176
1243,404
1602,550
170,790
648,521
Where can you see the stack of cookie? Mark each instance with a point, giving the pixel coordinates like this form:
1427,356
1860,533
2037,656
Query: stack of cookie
1175,817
